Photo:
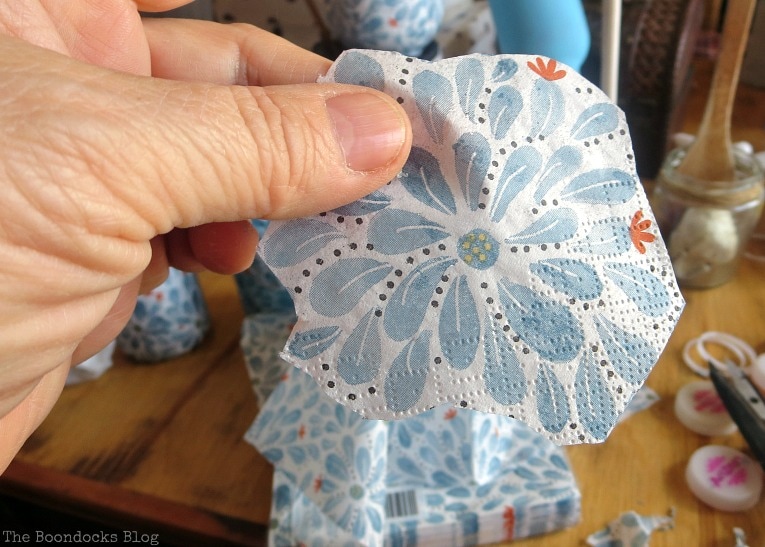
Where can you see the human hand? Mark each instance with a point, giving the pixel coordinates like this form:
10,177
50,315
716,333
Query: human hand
128,145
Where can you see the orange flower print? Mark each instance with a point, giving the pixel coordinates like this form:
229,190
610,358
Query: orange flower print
301,431
450,414
638,232
317,482
509,522
547,71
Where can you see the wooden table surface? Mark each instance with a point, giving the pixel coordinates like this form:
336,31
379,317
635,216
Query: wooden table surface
159,447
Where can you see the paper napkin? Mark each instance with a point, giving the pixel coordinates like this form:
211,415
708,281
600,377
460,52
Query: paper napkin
343,480
512,267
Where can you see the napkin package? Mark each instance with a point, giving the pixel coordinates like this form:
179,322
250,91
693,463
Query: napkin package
448,476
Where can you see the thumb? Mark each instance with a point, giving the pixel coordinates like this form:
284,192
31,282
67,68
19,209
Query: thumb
176,154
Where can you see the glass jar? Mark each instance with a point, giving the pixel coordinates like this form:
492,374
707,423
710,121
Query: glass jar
707,224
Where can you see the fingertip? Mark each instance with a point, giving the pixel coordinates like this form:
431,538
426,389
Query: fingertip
224,247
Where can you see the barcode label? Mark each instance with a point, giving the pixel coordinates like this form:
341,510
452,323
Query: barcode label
400,504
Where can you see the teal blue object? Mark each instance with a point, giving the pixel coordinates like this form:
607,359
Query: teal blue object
553,28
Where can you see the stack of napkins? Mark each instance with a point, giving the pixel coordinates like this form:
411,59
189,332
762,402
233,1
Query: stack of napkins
446,477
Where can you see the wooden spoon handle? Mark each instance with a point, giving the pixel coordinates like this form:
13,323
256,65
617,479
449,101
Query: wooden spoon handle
711,155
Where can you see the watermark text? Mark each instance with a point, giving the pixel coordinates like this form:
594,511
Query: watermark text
79,538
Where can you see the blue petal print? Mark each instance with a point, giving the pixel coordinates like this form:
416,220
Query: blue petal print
282,497
297,454
547,326
502,372
404,438
607,186
504,106
374,519
563,163
405,380
469,78
611,237
310,343
631,355
521,166
410,467
359,360
364,206
459,330
370,25
472,156
644,289
433,97
443,479
363,461
359,69
422,178
572,277
410,301
594,404
504,70
336,467
395,231
555,226
295,241
347,445
552,402
337,289
596,120
547,108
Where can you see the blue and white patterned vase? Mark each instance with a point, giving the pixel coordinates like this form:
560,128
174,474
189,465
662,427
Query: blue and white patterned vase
405,26
168,322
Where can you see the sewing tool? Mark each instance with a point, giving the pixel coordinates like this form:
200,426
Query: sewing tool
745,405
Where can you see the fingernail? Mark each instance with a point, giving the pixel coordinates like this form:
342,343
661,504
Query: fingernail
370,130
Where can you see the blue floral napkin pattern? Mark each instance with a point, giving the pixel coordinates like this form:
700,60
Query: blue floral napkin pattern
406,26
513,266
447,475
262,339
341,479
259,289
168,322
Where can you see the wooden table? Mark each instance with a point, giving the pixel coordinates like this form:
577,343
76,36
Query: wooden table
159,447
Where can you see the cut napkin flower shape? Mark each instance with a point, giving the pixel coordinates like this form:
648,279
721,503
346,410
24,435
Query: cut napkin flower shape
502,270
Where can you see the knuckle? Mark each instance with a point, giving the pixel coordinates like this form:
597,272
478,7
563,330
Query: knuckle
288,144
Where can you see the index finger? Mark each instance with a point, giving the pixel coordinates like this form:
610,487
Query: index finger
227,54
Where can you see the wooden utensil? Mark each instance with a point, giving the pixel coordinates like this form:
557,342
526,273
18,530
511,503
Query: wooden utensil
710,157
